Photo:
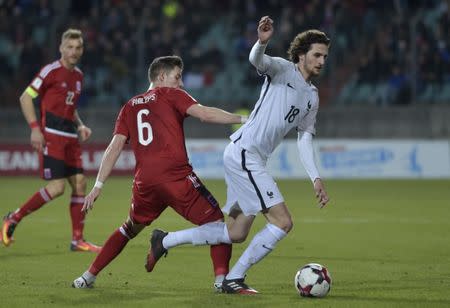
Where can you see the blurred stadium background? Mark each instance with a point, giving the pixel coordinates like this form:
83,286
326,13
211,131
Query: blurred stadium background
388,74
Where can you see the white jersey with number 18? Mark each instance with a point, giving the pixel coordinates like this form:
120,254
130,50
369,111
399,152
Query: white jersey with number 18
286,101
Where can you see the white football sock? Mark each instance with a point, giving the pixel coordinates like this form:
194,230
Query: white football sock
260,246
208,234
219,278
88,277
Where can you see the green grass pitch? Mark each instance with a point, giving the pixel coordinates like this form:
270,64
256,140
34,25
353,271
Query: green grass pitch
385,243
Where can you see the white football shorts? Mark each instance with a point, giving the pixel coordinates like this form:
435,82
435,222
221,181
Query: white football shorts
248,184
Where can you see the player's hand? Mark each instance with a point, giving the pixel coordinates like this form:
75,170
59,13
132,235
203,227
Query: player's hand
90,199
321,194
84,132
37,139
265,29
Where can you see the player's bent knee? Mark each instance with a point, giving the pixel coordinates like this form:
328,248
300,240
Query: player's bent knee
286,225
57,193
289,227
281,220
131,229
79,187
55,189
238,237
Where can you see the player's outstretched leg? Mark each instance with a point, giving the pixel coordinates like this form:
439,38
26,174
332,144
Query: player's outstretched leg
8,227
237,286
156,250
11,220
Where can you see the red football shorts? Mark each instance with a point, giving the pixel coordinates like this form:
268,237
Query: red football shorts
188,197
60,158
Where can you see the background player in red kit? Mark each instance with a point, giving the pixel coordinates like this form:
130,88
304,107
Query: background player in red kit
56,137
153,124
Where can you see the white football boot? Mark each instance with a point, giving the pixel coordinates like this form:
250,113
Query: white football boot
81,283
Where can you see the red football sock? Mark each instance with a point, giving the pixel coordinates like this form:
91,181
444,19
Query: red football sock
34,203
113,246
77,216
221,255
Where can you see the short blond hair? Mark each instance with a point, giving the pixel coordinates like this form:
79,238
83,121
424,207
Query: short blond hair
72,34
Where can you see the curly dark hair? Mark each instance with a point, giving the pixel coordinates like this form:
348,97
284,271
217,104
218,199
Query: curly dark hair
166,64
303,41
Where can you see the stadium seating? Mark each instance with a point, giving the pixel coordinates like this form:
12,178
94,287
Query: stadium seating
121,37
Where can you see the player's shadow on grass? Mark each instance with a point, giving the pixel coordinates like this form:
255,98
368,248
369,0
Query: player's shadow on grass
124,295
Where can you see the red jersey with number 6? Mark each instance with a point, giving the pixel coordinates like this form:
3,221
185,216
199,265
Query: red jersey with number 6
153,124
59,89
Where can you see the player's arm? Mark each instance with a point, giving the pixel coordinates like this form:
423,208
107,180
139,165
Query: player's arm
26,104
305,149
84,131
257,56
215,115
109,159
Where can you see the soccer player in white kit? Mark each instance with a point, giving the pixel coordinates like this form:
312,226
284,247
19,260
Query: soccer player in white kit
288,100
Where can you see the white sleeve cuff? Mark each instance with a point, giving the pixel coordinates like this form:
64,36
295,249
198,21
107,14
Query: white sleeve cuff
305,149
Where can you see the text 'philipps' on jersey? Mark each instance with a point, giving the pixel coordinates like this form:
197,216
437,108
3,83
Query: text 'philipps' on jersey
143,100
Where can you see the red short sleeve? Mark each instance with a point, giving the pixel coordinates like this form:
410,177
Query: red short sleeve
182,100
121,122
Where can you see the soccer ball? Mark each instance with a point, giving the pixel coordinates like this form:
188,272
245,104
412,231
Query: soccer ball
313,280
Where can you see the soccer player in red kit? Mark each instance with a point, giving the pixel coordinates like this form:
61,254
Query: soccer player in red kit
152,123
56,137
